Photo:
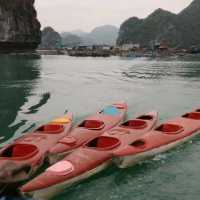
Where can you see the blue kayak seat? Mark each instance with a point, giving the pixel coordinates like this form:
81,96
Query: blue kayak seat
110,110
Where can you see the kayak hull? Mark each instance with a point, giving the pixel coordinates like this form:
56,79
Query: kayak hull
93,157
81,135
49,192
156,142
132,160
20,159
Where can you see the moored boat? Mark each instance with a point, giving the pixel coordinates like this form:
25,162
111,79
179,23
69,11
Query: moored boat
94,156
20,159
92,126
165,137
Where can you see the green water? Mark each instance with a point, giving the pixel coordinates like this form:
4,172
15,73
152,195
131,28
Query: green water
33,91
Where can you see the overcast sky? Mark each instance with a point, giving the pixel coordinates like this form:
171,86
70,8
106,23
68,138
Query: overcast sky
67,15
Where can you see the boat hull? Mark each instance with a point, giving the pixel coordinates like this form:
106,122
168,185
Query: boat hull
82,134
93,157
21,159
49,192
131,160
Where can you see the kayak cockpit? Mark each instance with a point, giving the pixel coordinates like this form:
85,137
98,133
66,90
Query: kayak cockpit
135,124
138,143
170,129
50,129
146,117
19,151
103,143
192,115
92,124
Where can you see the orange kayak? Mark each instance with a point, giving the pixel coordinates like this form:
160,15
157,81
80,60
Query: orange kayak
20,159
94,156
165,137
92,126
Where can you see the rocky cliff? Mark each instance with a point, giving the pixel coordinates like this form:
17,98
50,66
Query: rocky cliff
181,30
19,27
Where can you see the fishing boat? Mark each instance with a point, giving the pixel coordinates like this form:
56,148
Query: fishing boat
94,156
92,126
20,159
165,137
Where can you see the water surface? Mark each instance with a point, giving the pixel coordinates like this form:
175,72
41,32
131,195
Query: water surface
33,91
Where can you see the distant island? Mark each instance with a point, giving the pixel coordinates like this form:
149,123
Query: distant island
102,35
50,39
177,30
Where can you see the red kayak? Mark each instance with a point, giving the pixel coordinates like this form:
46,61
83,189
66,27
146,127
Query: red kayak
20,159
167,136
89,159
92,126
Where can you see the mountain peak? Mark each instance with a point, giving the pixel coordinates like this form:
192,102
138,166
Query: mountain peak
160,13
105,28
180,30
193,7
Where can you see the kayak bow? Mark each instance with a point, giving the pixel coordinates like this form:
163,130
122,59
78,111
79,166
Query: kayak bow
20,159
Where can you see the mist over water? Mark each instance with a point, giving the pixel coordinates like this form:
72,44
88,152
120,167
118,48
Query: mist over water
33,91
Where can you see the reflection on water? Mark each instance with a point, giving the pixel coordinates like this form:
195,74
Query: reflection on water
35,91
17,80
33,109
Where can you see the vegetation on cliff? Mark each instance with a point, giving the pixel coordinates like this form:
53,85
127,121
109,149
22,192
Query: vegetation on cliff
181,30
19,27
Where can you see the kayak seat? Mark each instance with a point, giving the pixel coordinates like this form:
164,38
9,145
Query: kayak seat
135,124
193,115
110,110
170,129
103,143
92,124
51,129
20,151
198,110
145,117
